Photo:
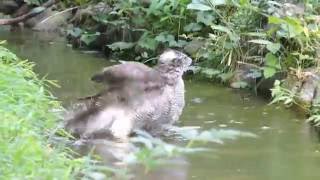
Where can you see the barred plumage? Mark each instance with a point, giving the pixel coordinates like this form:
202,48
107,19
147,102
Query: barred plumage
136,97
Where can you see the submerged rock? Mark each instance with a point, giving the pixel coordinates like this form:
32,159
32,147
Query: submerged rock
289,9
250,75
305,85
245,75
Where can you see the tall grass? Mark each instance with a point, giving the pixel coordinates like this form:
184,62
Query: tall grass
26,121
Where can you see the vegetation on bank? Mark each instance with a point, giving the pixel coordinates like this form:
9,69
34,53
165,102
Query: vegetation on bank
27,123
218,34
240,42
268,37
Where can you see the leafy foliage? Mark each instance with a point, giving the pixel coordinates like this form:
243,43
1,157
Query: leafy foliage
254,32
218,34
27,121
281,94
89,38
271,65
289,98
315,115
121,45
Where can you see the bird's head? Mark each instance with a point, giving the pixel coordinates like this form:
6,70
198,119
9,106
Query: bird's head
175,59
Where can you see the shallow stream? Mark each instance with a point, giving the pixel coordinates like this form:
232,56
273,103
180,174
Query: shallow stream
287,148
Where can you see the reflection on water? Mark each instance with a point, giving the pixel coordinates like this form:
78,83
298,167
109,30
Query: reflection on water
286,149
111,154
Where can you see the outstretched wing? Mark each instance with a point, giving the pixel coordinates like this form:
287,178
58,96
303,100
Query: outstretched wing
133,75
127,84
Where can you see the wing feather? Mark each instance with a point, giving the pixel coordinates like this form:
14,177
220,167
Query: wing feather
132,75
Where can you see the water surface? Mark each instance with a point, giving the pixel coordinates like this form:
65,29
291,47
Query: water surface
286,149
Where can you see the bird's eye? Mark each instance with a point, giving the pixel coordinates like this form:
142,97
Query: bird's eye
177,61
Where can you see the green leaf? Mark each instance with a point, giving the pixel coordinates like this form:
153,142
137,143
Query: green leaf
243,2
209,72
33,2
199,6
181,43
121,45
290,26
165,37
173,44
205,17
268,72
293,21
256,34
148,43
155,7
205,5
233,36
89,38
275,20
293,29
217,2
75,32
260,41
221,28
192,27
37,10
313,27
277,83
271,65
225,76
272,61
7,56
3,42
273,47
